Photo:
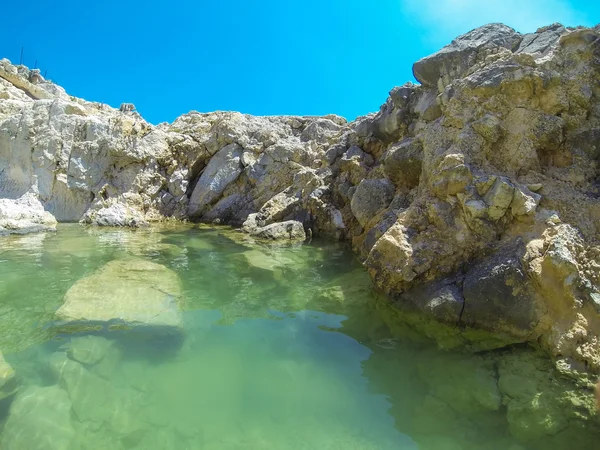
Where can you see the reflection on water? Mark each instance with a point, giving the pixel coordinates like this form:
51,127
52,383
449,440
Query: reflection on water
282,348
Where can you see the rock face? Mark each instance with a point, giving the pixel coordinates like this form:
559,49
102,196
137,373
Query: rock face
124,294
473,199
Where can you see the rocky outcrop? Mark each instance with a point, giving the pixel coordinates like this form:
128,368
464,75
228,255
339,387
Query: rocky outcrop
132,294
473,199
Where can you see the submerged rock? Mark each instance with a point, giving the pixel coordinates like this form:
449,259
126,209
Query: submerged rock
541,404
40,419
265,260
88,350
96,402
467,383
124,294
8,379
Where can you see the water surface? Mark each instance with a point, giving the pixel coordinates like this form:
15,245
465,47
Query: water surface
283,348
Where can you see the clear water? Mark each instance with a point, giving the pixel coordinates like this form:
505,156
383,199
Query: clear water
284,348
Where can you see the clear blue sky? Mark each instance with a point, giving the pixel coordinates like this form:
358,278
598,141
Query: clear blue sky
259,57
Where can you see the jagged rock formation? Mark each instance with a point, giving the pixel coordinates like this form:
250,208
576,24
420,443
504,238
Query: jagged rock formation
473,198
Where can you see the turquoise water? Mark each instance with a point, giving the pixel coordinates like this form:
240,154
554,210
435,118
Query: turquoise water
281,348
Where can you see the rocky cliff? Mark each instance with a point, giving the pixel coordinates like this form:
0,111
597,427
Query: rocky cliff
473,198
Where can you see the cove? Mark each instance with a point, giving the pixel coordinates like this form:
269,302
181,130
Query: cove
280,346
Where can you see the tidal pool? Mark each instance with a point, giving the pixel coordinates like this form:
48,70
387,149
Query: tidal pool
281,347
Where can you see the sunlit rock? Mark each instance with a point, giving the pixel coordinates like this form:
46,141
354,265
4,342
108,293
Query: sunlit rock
24,215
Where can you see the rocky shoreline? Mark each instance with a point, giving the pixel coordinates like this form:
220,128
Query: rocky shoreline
473,199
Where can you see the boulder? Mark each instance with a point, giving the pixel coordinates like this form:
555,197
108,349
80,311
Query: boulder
24,215
541,403
90,395
469,383
124,294
115,215
290,230
370,198
95,401
442,300
224,168
403,162
500,297
40,419
454,60
88,350
542,41
270,261
277,208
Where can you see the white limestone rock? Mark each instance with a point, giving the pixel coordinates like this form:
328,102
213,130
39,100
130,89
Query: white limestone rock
24,215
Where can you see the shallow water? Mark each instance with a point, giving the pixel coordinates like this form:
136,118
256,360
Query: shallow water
283,348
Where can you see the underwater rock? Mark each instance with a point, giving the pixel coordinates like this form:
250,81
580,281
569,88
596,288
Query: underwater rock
96,401
265,260
540,402
468,384
88,350
40,419
124,295
90,395
8,379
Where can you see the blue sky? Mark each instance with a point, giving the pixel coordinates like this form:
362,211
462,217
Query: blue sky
309,57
